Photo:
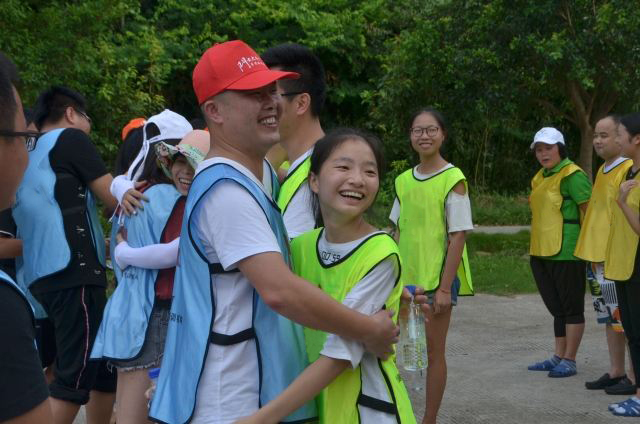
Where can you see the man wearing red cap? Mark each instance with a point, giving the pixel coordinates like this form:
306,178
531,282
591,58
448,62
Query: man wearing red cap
229,347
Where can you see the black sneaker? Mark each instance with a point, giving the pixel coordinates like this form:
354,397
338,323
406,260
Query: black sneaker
603,382
623,387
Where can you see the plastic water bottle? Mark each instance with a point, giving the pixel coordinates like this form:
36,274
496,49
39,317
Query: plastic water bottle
412,347
153,376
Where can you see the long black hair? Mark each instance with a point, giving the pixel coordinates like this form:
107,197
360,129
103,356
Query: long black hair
334,139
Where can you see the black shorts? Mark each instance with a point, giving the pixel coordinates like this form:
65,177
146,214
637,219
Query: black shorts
46,341
75,314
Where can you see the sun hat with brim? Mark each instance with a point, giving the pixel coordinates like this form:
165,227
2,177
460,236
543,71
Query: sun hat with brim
169,125
232,65
194,147
548,135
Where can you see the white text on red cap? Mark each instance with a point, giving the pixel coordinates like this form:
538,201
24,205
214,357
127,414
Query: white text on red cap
250,61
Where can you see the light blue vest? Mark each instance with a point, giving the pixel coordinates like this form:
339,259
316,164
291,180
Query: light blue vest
126,316
39,221
279,342
4,277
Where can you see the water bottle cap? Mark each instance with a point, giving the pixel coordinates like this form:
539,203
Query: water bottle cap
154,373
412,290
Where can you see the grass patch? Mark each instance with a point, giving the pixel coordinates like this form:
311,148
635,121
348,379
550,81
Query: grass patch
500,263
499,209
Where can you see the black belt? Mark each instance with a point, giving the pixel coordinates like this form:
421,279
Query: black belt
228,340
571,221
218,269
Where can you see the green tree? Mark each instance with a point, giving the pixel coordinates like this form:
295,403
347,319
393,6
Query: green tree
502,69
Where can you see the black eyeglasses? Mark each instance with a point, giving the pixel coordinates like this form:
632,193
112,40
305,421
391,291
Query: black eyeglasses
418,131
292,93
30,137
84,114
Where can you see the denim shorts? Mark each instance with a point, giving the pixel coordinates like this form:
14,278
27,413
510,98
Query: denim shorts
150,355
455,288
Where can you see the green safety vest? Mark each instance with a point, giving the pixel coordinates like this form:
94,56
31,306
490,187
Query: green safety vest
423,229
292,184
338,402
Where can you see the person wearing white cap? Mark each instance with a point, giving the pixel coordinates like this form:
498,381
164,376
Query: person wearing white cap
560,193
135,320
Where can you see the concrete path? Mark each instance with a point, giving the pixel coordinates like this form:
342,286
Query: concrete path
501,229
491,341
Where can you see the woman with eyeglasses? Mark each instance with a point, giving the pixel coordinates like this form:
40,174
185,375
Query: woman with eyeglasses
432,213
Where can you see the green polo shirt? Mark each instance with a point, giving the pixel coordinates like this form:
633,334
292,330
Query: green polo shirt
576,190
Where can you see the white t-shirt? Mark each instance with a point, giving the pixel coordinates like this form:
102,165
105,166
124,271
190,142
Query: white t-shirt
457,206
298,217
613,164
367,297
232,227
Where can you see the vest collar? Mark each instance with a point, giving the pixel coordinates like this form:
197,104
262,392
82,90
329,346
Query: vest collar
548,172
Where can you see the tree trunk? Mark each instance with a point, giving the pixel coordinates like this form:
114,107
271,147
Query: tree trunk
585,158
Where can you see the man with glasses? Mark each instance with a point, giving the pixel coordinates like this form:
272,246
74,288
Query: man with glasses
64,248
300,129
23,392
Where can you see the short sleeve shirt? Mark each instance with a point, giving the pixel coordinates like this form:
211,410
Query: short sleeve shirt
76,163
23,385
8,230
576,190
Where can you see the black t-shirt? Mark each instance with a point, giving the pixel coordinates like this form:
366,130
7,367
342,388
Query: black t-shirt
76,162
8,230
23,385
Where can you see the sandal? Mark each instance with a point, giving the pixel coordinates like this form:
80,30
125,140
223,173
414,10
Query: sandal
563,369
613,406
630,408
545,365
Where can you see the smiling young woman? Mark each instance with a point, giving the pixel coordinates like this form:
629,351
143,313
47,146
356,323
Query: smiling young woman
432,213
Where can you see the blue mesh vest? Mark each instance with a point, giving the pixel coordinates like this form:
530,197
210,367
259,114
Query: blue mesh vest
126,316
280,348
38,217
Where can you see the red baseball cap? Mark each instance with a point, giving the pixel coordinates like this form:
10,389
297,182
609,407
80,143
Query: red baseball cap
232,65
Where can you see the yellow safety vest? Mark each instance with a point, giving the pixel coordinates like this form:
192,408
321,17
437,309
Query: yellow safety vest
592,244
545,202
292,184
623,241
338,402
423,229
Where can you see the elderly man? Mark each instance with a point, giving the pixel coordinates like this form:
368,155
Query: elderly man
231,346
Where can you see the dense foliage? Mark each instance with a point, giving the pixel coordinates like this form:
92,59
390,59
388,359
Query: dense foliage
498,69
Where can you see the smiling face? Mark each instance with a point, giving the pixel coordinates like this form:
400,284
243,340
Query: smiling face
348,181
249,118
181,174
548,155
425,144
605,139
